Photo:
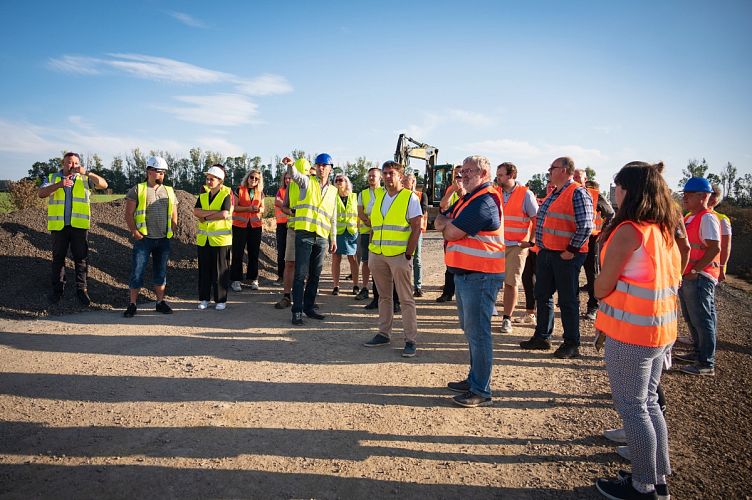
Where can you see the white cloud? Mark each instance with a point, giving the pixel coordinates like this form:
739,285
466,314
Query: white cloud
432,121
187,19
80,65
220,145
266,84
218,109
506,147
22,138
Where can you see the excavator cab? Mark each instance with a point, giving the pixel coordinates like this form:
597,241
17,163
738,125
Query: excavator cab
442,178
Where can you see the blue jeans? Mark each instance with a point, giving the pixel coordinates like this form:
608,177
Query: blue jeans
554,274
310,249
417,265
159,248
476,295
697,299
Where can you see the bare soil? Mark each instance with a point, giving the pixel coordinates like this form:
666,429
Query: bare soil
241,404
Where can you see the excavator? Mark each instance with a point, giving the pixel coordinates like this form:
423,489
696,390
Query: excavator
437,177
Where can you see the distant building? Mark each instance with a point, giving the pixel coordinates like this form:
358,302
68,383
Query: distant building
612,196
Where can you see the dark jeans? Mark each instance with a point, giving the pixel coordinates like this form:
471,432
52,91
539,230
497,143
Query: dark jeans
159,249
245,238
592,267
310,249
213,272
528,280
554,274
77,240
281,247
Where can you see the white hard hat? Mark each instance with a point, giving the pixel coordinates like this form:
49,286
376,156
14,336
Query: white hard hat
156,162
217,172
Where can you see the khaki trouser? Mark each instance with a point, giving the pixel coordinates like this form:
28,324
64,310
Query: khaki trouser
394,272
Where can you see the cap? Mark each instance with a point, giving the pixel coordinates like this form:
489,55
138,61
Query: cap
156,162
216,172
698,185
302,165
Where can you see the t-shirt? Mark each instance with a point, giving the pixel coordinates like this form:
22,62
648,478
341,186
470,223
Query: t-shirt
68,197
367,209
413,206
710,230
157,202
226,203
481,214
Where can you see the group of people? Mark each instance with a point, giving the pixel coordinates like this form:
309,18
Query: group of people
644,263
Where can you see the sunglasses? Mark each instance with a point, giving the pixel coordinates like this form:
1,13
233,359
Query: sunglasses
254,178
339,180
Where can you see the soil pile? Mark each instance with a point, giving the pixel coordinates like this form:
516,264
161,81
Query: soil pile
26,256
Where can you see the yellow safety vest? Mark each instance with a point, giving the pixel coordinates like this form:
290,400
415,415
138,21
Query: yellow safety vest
314,212
390,233
347,216
293,197
80,207
139,215
365,198
219,232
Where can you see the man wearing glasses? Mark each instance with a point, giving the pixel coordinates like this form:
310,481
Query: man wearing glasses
564,224
151,214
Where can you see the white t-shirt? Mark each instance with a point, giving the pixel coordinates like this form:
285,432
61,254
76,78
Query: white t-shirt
367,210
725,227
710,230
413,206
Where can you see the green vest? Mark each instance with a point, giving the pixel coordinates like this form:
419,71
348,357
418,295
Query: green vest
347,216
390,233
219,232
314,212
139,216
80,207
365,198
293,197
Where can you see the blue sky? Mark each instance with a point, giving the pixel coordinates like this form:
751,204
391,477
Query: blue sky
603,82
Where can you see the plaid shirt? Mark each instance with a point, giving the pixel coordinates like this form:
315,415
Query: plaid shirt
583,215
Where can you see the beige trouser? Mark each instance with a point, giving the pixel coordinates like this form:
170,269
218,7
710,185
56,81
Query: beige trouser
394,271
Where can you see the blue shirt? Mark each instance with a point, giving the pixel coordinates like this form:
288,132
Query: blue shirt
583,216
481,214
68,197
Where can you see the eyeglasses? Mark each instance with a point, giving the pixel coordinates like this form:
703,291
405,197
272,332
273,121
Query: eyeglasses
466,171
553,168
340,179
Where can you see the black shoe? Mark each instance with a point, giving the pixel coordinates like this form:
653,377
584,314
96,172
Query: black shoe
283,303
348,277
621,488
567,351
55,296
163,307
397,308
297,319
362,294
356,290
335,290
463,386
83,297
471,400
315,306
131,311
686,357
314,315
374,304
444,298
536,344
418,292
378,340
660,489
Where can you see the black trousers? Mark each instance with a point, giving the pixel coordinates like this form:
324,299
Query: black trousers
448,288
213,272
592,268
245,238
281,248
528,280
75,239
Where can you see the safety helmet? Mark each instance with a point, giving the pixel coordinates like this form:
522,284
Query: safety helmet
324,159
698,185
302,165
156,162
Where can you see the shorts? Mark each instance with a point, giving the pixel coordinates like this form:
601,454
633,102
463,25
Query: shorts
290,245
515,264
365,240
347,244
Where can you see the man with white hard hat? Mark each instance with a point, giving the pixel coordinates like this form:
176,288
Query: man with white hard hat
151,214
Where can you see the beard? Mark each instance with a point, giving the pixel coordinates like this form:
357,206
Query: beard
158,181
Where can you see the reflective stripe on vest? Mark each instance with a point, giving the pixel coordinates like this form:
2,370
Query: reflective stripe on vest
483,252
218,232
644,313
139,216
347,216
390,233
697,247
517,224
314,212
279,215
244,219
80,206
559,223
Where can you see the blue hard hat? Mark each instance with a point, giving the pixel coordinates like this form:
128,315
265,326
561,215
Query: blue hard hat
324,159
698,185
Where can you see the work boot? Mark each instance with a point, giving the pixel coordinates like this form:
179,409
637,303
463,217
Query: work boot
374,304
362,294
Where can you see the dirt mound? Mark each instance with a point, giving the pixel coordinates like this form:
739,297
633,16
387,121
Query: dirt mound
26,255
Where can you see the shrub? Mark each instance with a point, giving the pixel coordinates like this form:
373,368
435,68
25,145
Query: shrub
23,194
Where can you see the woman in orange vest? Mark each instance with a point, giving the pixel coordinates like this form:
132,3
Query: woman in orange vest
638,311
246,229
281,232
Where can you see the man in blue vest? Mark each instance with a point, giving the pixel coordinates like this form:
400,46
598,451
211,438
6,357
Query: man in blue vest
69,219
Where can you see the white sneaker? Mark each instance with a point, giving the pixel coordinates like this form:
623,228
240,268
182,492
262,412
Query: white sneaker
254,285
615,435
235,285
624,452
506,325
220,306
527,319
203,304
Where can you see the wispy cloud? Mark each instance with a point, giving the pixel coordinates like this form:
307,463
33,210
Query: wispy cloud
218,109
535,156
81,65
266,84
187,19
22,138
432,121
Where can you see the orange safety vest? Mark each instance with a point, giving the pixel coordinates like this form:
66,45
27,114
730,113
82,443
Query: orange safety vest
644,313
483,252
559,225
279,215
598,218
517,224
243,219
424,219
697,246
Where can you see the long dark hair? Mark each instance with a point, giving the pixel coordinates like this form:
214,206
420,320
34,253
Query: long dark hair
647,199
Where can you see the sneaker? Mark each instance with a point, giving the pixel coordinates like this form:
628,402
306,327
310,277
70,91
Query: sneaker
698,369
591,313
506,325
471,400
374,304
615,435
314,315
283,303
536,344
221,306
567,351
660,489
409,350
527,319
235,286
397,308
55,296
444,298
356,290
254,285
83,297
687,357
163,307
462,386
348,277
335,290
621,488
203,304
378,340
624,452
131,311
297,319
418,292
362,294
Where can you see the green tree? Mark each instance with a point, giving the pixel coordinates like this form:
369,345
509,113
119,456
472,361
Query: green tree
537,184
135,167
41,169
357,172
694,169
728,180
590,173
